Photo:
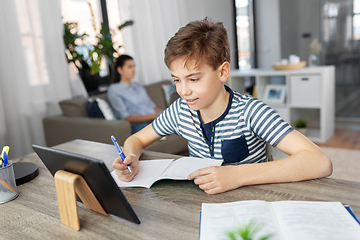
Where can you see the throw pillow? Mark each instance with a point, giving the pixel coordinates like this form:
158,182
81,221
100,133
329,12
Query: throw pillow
99,108
105,109
93,109
74,107
168,90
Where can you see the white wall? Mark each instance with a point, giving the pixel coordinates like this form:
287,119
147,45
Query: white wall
299,17
222,11
157,21
267,32
309,22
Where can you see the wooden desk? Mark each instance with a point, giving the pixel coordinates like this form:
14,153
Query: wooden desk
168,210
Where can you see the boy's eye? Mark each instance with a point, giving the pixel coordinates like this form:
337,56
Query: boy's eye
194,79
176,80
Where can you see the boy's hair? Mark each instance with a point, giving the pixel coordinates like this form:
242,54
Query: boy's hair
203,41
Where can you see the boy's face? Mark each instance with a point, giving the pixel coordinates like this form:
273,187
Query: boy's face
199,86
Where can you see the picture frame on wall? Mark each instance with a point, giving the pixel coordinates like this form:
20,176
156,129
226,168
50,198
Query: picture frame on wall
274,94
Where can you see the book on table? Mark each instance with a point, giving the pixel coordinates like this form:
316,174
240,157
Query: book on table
283,220
151,171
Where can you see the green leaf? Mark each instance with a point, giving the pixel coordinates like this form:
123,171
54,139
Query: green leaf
232,236
266,237
247,232
103,48
125,24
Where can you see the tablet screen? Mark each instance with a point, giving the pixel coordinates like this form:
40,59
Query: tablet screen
95,173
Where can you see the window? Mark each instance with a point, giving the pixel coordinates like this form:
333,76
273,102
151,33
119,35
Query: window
356,20
114,22
79,11
88,15
330,20
245,34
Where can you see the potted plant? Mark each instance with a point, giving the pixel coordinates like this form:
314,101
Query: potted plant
315,48
87,58
301,126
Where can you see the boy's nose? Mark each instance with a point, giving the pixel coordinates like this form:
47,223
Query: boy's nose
185,90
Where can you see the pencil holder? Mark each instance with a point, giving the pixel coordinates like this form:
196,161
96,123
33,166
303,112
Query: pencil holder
8,190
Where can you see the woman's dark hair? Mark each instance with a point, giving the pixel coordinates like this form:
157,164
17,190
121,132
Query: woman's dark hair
120,62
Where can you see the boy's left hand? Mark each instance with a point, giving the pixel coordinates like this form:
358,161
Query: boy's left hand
216,179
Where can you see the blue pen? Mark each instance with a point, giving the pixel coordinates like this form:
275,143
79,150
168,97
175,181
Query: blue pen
122,155
4,156
5,159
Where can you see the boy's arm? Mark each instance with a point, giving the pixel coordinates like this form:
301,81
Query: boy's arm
133,148
305,161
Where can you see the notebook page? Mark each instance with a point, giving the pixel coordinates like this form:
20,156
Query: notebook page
300,220
182,167
149,172
217,219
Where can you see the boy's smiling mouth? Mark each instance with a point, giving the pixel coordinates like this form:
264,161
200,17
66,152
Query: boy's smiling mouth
191,101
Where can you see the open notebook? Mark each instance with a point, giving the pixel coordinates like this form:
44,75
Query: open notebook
151,171
280,220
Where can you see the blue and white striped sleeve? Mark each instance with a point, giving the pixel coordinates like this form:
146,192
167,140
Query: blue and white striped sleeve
266,123
168,121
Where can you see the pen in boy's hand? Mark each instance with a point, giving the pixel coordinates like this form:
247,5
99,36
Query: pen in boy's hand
122,155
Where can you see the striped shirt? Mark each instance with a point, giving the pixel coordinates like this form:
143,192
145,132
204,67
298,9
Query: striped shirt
237,136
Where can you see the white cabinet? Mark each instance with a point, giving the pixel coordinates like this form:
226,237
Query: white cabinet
309,94
305,90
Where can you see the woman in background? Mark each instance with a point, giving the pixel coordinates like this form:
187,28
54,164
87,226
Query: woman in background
128,98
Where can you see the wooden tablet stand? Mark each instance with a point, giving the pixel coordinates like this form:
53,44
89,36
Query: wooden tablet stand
67,186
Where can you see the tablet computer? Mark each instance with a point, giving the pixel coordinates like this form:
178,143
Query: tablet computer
95,173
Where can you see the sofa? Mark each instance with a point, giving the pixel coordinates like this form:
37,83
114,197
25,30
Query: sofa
75,123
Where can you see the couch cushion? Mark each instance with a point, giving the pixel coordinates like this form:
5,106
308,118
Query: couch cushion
106,109
74,107
168,90
156,93
93,109
173,97
100,95
99,108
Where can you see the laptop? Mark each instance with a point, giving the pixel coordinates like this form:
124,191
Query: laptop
95,173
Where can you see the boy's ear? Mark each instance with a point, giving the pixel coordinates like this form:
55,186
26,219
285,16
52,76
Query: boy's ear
224,71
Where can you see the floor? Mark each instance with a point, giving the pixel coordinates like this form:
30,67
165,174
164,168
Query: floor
347,135
344,145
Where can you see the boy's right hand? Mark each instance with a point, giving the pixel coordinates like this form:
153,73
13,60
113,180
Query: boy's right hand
121,169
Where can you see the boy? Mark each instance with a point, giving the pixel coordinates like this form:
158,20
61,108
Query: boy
219,123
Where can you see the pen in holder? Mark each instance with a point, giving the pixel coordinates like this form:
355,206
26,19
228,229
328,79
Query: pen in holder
8,190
